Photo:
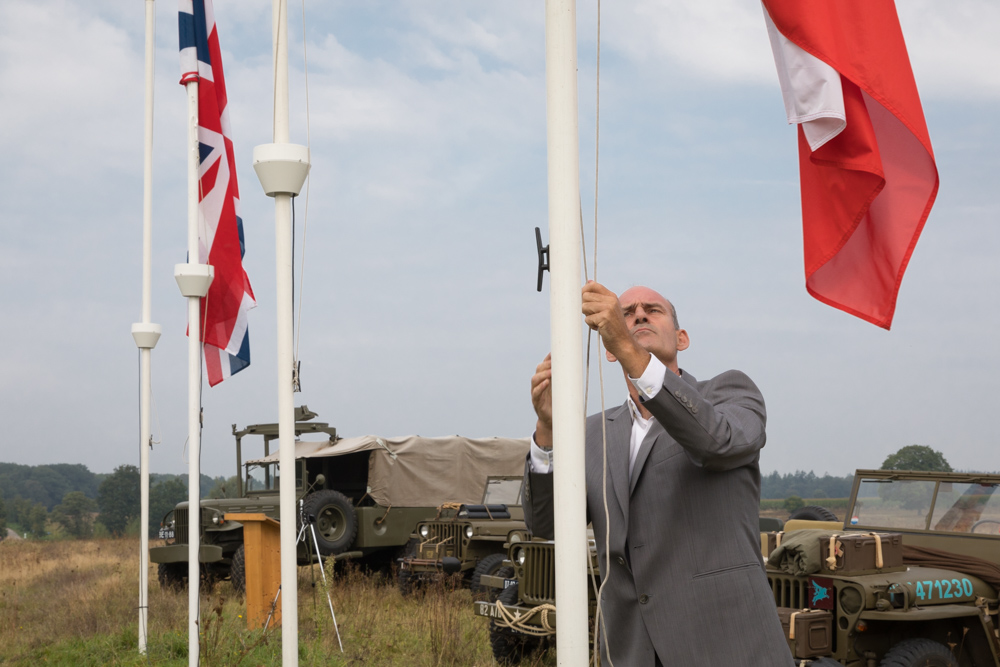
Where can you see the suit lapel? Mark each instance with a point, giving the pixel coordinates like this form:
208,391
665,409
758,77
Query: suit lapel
619,425
655,431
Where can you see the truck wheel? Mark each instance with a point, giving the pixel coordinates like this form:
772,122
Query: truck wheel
336,523
238,571
171,576
407,582
919,653
509,646
813,513
489,566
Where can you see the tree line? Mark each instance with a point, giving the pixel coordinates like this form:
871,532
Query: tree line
800,484
68,500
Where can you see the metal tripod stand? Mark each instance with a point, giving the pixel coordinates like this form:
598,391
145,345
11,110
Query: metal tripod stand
309,521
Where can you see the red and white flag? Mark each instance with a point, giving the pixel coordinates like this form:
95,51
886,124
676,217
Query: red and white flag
220,232
866,165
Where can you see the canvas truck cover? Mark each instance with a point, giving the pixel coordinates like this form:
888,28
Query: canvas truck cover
413,471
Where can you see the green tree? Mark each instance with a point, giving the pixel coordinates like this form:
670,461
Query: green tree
75,514
118,499
36,520
163,497
916,457
18,512
793,503
3,518
226,488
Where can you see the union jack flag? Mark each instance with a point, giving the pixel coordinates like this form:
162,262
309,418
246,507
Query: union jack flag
220,231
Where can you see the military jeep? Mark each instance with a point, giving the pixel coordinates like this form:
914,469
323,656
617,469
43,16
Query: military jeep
522,609
939,607
363,495
465,539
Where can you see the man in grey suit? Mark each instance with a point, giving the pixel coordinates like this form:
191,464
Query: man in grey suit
685,582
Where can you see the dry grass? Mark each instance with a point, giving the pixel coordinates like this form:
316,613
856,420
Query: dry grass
74,603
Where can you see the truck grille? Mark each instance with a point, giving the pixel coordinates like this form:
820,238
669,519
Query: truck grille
444,539
181,524
789,591
538,585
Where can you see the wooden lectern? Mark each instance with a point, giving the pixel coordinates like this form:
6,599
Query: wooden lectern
262,546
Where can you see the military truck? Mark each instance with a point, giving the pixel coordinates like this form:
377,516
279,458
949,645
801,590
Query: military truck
364,494
937,608
466,539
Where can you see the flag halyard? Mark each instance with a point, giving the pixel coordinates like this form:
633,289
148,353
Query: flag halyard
220,233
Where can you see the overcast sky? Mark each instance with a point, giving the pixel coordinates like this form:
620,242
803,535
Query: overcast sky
419,311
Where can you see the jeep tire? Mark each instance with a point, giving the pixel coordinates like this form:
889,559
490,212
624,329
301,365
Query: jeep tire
813,513
488,565
404,577
509,646
919,653
336,524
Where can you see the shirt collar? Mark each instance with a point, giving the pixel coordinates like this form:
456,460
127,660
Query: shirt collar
636,415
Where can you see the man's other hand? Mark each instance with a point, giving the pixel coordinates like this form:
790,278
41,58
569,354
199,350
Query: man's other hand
541,400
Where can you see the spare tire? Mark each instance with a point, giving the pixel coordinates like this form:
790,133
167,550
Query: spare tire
813,513
336,524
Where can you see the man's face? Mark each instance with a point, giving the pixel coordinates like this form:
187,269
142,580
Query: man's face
649,319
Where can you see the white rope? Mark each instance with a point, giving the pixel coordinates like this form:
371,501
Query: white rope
156,413
599,613
305,214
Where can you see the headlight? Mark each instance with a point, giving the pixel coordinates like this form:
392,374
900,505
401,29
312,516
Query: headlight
851,600
468,531
519,556
424,531
216,519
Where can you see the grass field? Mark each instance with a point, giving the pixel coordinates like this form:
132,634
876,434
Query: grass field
74,603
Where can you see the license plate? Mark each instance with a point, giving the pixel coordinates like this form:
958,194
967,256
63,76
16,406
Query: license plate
487,609
166,534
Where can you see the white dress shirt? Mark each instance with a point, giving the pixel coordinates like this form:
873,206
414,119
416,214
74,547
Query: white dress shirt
648,384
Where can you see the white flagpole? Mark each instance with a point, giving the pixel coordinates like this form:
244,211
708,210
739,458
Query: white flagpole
562,119
145,333
194,280
282,168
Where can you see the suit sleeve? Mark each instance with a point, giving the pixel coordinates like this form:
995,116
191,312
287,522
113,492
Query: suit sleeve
719,423
538,502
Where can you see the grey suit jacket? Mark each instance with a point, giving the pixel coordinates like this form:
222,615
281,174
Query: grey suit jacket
684,572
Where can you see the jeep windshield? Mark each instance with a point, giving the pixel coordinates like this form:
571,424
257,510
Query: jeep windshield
938,505
503,491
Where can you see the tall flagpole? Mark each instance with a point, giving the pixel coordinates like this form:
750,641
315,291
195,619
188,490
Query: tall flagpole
568,428
146,334
194,280
282,168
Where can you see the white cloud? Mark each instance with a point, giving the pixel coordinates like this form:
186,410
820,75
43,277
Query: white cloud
68,85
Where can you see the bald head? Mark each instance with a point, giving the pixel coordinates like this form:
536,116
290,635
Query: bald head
640,295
